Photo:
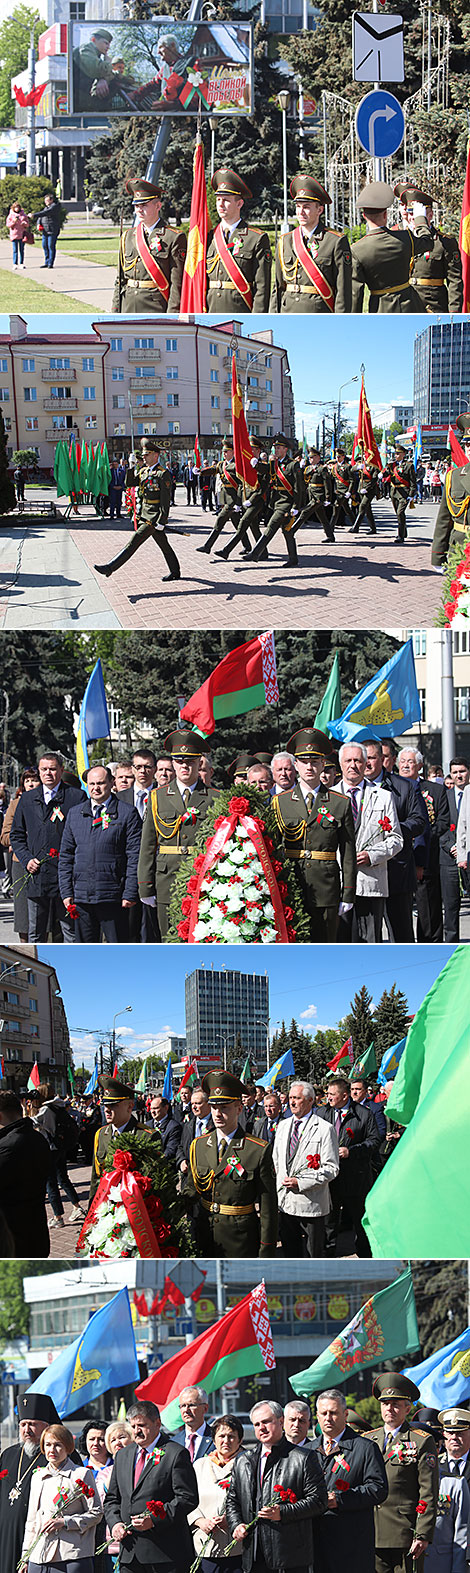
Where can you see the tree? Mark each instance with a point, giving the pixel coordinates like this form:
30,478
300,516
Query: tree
359,1023
391,1018
45,681
441,1302
325,1045
7,489
15,34
14,1313
25,456
30,190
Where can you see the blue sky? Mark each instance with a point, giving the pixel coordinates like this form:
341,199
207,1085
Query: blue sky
313,984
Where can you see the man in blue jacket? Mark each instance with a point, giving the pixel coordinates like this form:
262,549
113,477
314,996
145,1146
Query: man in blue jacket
98,861
35,838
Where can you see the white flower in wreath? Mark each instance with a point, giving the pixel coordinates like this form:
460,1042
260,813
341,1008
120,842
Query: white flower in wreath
268,909
238,855
268,936
114,1196
248,929
234,902
204,906
217,921
224,868
251,893
241,832
256,866
201,930
220,890
230,931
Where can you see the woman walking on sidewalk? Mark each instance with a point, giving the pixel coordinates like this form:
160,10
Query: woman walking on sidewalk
18,224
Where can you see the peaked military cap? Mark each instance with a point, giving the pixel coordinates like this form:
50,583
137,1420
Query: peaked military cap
183,745
378,195
102,32
280,436
221,1087
257,443
262,758
309,741
413,193
389,1385
37,1406
227,442
227,180
113,1090
150,445
463,424
454,1419
309,188
240,764
142,190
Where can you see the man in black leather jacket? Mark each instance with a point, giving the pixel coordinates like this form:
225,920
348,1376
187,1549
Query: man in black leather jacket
282,1537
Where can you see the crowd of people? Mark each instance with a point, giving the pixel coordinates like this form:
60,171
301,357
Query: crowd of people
301,1162
394,842
301,1491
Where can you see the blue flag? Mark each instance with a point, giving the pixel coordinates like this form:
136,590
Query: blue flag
444,1378
418,447
167,1089
93,721
103,1356
92,1083
282,1067
389,703
390,1062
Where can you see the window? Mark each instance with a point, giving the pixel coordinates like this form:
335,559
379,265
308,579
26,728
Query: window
91,422
419,641
269,409
119,431
116,344
7,423
77,11
146,428
215,401
461,704
118,401
89,393
460,643
422,700
30,395
11,998
269,385
32,979
114,717
33,1030
268,360
252,382
88,363
5,395
172,400
33,1004
13,1026
145,371
145,398
117,374
62,422
59,363
173,428
216,428
172,373
214,374
32,423
60,393
213,349
254,404
26,364
147,344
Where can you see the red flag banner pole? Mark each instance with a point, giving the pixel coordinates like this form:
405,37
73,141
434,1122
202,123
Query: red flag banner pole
193,289
464,237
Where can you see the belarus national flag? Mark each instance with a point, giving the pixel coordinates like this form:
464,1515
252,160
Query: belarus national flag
238,1345
244,680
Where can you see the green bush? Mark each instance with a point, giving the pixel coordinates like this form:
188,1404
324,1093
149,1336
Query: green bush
30,190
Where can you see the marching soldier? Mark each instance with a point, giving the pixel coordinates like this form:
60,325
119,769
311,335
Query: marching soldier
319,485
344,478
367,491
452,527
437,275
404,1524
403,488
118,1101
256,505
154,485
232,1174
231,497
239,257
384,258
151,257
313,262
316,824
172,818
287,492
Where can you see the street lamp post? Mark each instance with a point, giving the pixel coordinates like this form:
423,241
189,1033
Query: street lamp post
31,154
118,1013
283,99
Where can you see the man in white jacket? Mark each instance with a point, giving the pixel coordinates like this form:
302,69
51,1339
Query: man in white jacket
378,838
306,1158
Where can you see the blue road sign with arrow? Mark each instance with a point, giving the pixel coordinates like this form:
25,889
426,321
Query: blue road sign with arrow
380,123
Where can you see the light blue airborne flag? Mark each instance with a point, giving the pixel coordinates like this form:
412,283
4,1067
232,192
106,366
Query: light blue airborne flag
389,703
284,1066
92,1083
444,1378
418,447
93,721
103,1356
390,1062
167,1089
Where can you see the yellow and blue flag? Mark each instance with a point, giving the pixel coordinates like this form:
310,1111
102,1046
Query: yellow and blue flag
103,1356
390,1062
93,721
284,1066
444,1378
389,703
92,1083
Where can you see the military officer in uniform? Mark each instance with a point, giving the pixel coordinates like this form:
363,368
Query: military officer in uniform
313,262
316,824
343,477
404,1524
239,767
93,75
437,275
232,1174
319,484
367,491
153,481
403,488
287,492
255,506
239,257
384,258
118,1103
151,257
231,497
452,527
172,818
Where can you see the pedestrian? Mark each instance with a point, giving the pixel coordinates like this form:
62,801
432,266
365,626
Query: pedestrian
49,221
306,1160
195,1433
213,1470
405,1521
18,223
283,1535
116,488
52,1120
98,861
24,1174
356,1483
35,839
154,1468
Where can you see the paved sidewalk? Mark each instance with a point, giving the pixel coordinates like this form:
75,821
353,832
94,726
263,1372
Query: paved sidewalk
88,282
45,581
63,1241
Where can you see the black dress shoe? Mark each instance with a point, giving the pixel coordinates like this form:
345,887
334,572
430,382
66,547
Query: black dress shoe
206,549
104,568
167,576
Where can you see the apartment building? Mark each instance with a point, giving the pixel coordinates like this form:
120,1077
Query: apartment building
51,387
33,1020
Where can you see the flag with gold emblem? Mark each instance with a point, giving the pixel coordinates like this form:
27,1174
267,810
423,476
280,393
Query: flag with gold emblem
193,289
103,1356
464,237
242,449
364,444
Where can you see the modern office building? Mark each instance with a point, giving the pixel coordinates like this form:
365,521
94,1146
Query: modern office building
33,1020
223,1008
401,413
441,372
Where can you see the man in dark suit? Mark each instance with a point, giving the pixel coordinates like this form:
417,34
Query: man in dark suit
169,1129
200,1122
412,818
265,1126
143,926
35,839
297,1422
356,1482
98,861
153,1469
194,1434
453,879
25,1160
173,817
249,1114
428,894
358,1141
282,1537
118,1103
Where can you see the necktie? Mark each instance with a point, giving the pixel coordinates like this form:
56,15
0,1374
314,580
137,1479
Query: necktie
458,800
96,811
142,799
455,1467
222,1148
328,1444
308,802
186,796
192,1446
294,1138
140,1460
338,1123
198,1127
352,794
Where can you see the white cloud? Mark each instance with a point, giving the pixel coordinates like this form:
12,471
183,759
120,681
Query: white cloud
306,1015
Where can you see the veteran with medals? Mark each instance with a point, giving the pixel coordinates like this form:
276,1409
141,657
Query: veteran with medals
17,1466
151,257
452,527
313,262
232,1176
404,1524
239,257
172,819
317,827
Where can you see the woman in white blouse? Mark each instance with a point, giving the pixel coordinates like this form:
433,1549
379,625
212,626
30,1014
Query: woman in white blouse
208,1521
64,1510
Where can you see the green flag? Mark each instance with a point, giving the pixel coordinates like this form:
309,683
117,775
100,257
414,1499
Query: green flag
246,1072
71,1077
416,1207
62,470
330,707
384,1328
142,1082
365,1065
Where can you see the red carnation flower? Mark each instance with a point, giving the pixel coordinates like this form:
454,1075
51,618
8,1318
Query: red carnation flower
277,866
156,1509
72,910
452,827
186,905
225,1485
183,929
291,934
341,1485
421,1507
282,888
268,844
288,914
349,1132
385,823
198,863
285,1493
3,1474
53,853
239,805
313,1160
123,1162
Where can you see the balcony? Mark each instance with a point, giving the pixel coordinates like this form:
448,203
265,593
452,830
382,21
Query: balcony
147,412
59,405
146,384
144,355
52,373
56,433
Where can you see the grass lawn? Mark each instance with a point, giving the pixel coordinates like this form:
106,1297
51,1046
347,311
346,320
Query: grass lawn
23,294
91,245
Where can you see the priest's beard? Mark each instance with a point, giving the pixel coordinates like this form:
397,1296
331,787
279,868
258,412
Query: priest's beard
31,1448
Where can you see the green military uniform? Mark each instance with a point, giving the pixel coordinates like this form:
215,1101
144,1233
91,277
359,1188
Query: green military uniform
135,290
287,490
320,280
231,497
403,489
314,830
170,827
384,259
235,1184
113,1092
411,1464
153,483
437,275
240,765
255,507
249,254
343,477
367,491
319,490
452,527
89,67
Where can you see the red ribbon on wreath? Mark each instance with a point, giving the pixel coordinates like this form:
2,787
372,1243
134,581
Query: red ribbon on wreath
225,829
132,1187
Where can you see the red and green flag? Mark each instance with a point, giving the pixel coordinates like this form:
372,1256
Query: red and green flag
364,441
34,1079
331,706
245,680
193,288
343,1058
242,449
240,1344
197,453
189,1078
385,1328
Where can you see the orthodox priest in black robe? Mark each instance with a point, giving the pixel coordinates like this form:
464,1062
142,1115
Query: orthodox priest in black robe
17,1466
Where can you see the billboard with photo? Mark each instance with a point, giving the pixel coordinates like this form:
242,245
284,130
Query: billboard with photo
160,67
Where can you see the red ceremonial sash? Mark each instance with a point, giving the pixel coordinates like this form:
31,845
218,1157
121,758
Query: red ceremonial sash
311,269
339,476
402,480
234,272
215,846
150,264
228,478
283,479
